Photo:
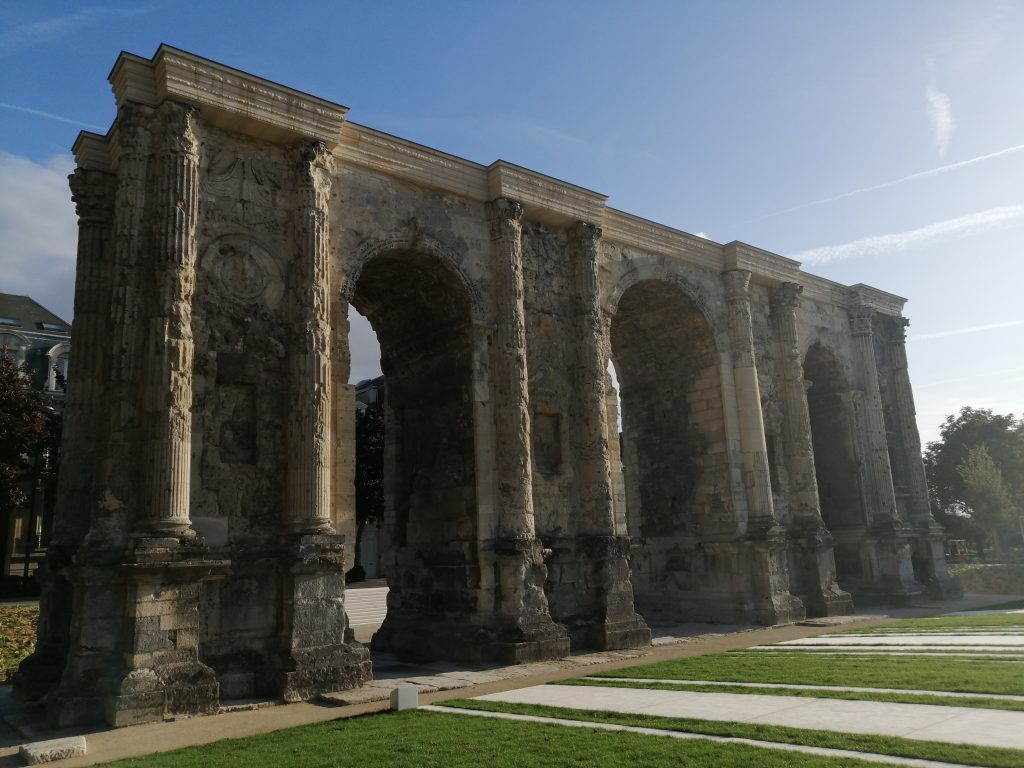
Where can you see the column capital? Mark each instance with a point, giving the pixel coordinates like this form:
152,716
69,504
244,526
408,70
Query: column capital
736,282
93,195
786,296
860,320
899,330
176,123
587,235
503,214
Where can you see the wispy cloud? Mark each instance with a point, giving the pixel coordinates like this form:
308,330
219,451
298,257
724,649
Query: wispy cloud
962,226
24,36
51,116
896,182
968,329
940,115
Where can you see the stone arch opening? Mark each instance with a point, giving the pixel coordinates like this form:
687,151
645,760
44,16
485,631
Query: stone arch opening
830,403
673,448
420,312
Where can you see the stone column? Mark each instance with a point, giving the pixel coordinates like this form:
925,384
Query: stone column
765,539
525,631
821,593
929,548
93,193
593,464
906,424
118,434
308,487
167,364
511,390
316,654
881,496
748,400
610,619
888,534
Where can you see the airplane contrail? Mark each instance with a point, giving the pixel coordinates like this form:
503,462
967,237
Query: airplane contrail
903,180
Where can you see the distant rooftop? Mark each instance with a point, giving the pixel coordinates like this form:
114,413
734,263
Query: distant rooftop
27,315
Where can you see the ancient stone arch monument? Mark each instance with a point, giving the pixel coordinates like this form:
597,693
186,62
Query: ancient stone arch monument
769,464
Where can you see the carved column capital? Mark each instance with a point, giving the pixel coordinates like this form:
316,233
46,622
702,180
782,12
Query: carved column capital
502,214
899,331
786,297
587,235
93,194
860,320
737,283
177,129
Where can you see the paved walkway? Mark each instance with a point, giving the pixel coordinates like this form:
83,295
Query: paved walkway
983,727
798,687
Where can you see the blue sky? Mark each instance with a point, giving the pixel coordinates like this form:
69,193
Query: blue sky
877,142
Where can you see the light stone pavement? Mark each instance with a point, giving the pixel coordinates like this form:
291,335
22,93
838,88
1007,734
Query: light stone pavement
797,687
982,727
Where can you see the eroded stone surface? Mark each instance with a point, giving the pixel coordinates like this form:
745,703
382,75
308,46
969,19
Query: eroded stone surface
54,749
769,466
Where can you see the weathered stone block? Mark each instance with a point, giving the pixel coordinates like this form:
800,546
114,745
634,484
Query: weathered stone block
54,749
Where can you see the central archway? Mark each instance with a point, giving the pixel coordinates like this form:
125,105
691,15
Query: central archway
420,310
674,450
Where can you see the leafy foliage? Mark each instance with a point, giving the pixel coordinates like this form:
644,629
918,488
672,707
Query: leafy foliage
966,488
23,430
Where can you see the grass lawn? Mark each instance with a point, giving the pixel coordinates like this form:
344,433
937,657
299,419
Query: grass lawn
946,673
426,739
17,636
899,698
977,622
883,745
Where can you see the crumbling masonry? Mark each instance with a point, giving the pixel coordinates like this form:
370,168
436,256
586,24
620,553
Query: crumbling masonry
769,464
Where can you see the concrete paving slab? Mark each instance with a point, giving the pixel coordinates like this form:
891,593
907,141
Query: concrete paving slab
798,687
911,640
984,727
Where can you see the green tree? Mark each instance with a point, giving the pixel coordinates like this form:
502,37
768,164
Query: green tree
24,435
986,496
1002,437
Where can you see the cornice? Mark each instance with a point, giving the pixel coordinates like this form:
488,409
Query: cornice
645,235
545,200
226,97
92,152
765,267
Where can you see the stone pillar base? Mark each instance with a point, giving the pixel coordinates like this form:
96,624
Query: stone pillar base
614,624
137,660
772,602
319,654
813,556
929,559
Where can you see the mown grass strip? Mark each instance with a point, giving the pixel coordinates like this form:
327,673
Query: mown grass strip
986,620
432,740
905,672
965,754
896,698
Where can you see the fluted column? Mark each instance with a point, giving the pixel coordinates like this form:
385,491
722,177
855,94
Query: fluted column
880,496
169,350
594,470
308,490
748,399
906,418
93,193
796,423
511,388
